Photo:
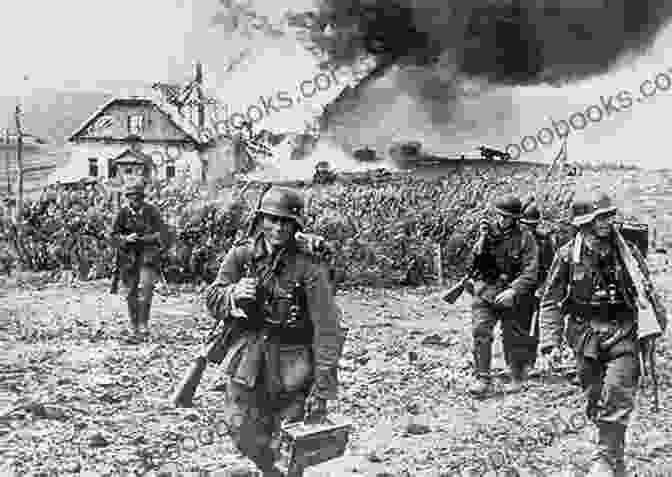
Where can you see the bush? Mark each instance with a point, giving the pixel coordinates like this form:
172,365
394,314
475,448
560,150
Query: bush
384,230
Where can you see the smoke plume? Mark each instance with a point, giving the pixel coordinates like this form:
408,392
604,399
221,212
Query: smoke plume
440,44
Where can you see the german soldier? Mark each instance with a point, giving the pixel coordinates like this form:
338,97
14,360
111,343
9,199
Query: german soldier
136,232
285,336
506,276
589,284
546,247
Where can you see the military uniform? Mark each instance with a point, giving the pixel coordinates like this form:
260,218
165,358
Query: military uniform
139,262
508,263
546,247
589,285
285,345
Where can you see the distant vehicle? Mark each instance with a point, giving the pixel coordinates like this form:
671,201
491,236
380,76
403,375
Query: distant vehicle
365,155
490,154
323,173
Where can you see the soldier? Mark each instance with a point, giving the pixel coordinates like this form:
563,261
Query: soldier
285,334
506,276
546,247
588,282
136,233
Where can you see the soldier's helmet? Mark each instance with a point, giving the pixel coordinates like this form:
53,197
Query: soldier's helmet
531,215
134,189
283,202
509,205
586,209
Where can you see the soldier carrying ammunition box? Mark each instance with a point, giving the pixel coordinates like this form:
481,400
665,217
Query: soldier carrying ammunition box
598,281
506,276
284,332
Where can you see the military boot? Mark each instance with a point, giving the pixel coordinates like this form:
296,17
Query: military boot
482,361
133,317
144,309
610,453
518,379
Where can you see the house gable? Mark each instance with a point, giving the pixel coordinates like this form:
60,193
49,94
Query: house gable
123,117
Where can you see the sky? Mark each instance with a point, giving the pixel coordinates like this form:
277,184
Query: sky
114,46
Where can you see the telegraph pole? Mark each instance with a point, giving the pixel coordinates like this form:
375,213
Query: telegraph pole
8,155
19,197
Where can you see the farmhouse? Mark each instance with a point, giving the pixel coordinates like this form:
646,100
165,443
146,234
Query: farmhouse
165,134
145,129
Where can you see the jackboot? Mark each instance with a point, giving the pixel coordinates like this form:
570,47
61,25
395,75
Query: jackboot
482,362
610,452
144,309
518,378
133,316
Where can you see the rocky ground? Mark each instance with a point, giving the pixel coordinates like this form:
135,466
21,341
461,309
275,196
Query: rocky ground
75,399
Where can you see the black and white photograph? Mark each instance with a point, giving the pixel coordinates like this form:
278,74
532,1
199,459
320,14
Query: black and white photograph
336,238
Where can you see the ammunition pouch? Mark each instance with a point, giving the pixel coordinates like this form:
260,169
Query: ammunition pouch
591,337
295,367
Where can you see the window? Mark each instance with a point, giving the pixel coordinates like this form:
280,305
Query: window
204,170
111,169
170,171
93,167
135,124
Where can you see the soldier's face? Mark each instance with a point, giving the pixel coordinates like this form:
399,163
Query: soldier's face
278,230
135,200
602,225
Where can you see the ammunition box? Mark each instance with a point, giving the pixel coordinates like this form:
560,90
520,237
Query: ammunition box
304,444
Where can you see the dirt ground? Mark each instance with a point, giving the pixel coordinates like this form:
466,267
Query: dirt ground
78,400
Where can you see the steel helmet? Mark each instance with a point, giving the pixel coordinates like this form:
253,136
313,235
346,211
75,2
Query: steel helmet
585,209
531,215
509,205
283,202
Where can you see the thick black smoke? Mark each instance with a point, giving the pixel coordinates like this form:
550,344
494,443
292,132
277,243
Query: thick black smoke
503,42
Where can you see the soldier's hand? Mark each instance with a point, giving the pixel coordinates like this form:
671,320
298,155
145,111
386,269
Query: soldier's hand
315,407
505,298
132,237
245,289
550,359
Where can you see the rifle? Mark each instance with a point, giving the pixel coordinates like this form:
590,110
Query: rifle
184,393
116,272
456,290
651,315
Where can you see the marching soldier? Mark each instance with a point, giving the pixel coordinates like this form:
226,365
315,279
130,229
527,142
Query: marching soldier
590,283
136,233
285,336
506,276
546,247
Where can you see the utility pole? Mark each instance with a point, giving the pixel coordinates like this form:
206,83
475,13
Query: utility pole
19,189
8,156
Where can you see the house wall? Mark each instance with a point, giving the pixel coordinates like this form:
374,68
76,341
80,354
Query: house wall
184,159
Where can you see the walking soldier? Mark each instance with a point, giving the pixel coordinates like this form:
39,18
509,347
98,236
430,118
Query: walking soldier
546,247
284,332
592,282
136,233
506,276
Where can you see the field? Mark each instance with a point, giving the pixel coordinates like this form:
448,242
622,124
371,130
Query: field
77,399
